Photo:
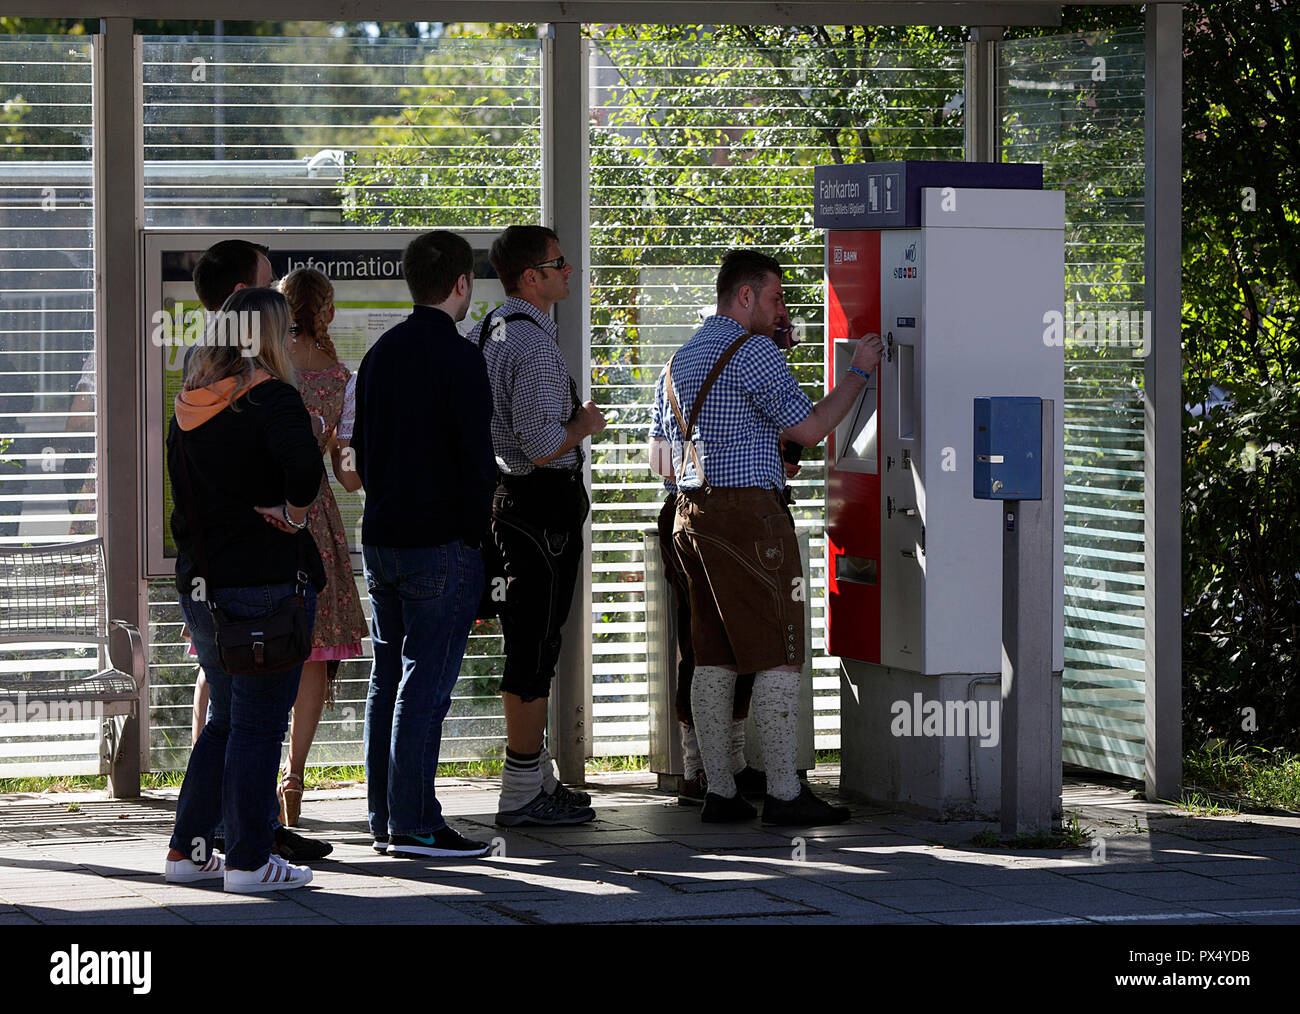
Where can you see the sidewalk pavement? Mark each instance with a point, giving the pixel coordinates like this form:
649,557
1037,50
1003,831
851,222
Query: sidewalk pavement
79,859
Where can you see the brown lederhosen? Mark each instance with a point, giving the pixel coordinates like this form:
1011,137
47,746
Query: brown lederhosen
681,594
738,548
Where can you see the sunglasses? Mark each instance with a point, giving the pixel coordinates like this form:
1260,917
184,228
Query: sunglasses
558,264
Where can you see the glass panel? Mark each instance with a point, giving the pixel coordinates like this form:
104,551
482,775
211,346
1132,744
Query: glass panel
47,362
261,133
699,145
1077,104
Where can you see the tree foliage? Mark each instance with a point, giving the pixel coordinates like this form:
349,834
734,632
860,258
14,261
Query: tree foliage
1241,339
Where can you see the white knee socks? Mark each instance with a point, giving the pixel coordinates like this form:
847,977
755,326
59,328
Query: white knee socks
691,764
737,745
713,693
776,715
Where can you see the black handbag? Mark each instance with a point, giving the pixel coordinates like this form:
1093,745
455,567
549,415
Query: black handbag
257,645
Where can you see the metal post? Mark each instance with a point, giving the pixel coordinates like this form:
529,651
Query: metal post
118,153
1028,779
983,120
565,143
1162,384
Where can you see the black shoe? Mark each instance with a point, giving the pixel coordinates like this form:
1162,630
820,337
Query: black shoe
297,849
575,798
445,841
805,809
751,783
380,844
546,810
693,790
721,810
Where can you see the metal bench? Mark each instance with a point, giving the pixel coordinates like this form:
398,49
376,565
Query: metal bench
52,597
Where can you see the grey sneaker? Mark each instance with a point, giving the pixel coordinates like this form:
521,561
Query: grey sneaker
572,797
546,810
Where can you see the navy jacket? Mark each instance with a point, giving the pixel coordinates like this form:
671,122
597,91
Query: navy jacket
423,438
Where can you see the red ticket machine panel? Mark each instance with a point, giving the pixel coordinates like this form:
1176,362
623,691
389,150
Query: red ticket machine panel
854,572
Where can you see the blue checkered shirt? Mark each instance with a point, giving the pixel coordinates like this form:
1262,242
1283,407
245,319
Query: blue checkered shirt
532,392
738,428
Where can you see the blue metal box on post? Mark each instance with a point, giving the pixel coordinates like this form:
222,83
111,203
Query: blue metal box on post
1013,443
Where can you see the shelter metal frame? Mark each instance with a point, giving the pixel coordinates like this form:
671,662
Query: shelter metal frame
119,216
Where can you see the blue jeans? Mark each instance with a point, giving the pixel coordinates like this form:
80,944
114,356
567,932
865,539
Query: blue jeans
422,604
231,774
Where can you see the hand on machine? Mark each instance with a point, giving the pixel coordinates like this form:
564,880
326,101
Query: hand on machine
867,353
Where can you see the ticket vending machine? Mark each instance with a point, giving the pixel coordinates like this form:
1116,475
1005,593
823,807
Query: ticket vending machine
959,268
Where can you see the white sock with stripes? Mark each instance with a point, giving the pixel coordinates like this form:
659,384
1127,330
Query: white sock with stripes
547,766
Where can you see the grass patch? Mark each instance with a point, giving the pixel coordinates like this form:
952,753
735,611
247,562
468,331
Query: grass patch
1197,804
1247,777
333,776
86,783
1068,836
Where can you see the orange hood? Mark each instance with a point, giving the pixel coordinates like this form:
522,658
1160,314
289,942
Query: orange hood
194,408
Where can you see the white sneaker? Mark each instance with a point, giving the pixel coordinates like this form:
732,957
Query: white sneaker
182,871
276,875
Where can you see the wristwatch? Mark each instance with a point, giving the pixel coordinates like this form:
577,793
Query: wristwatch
284,509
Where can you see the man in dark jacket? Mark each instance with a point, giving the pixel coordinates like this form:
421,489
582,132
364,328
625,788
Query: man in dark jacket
424,453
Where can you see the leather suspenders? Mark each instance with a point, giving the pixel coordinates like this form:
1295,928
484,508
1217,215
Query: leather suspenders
688,427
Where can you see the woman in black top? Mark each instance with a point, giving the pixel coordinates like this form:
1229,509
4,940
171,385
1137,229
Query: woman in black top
244,467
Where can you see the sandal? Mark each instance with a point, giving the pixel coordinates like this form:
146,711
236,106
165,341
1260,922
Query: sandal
289,792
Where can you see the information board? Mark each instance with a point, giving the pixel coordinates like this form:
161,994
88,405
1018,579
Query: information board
370,296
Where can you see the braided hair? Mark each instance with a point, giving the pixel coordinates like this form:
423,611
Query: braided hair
310,296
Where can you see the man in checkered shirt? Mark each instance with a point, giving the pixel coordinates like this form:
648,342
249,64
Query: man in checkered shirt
538,510
734,533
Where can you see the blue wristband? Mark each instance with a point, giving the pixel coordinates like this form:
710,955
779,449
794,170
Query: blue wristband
861,373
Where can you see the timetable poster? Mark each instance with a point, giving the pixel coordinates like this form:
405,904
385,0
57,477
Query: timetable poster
370,296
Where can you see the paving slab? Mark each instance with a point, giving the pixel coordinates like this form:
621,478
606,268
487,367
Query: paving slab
652,908
647,860
830,900
384,907
1004,915
1084,900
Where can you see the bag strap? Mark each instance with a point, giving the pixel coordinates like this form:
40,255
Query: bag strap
488,324
688,427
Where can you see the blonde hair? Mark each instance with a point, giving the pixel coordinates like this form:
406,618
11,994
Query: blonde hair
310,296
215,360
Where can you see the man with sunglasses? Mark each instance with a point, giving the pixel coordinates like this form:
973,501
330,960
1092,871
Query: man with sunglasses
538,511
